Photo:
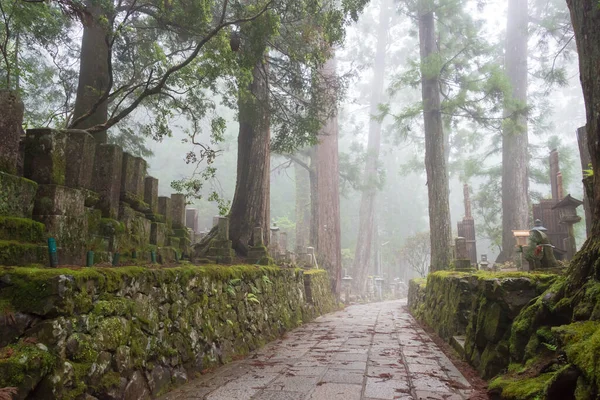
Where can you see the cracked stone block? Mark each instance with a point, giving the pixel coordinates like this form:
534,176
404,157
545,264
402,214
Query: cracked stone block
164,209
70,233
137,225
133,174
151,193
158,234
107,178
17,196
191,219
47,152
59,200
178,211
11,121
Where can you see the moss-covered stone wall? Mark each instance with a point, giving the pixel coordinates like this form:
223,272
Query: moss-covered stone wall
479,306
134,332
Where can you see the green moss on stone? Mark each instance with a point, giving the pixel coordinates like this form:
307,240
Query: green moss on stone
14,253
22,230
16,196
581,343
515,388
20,361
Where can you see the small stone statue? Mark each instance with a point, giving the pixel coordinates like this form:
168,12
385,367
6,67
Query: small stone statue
540,252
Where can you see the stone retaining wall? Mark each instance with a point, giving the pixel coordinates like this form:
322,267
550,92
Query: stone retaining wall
133,333
480,306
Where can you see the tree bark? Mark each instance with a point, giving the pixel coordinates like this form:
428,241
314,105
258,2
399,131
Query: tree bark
250,205
584,155
435,155
515,144
585,17
328,240
302,207
94,75
362,254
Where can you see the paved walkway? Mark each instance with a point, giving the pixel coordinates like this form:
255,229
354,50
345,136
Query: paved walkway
372,351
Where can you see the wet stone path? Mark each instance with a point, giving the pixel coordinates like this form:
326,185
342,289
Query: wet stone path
365,352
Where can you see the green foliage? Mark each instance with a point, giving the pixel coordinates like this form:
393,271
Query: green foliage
251,297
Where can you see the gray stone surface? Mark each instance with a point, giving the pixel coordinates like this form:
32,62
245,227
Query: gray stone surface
151,193
365,352
178,210
11,120
107,178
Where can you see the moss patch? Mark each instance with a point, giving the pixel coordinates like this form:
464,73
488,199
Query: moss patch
21,229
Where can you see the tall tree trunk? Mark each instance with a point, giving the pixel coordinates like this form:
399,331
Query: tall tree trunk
93,72
328,243
584,156
435,155
515,153
362,255
314,201
585,17
302,207
250,206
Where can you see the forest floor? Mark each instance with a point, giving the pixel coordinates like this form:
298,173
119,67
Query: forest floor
365,352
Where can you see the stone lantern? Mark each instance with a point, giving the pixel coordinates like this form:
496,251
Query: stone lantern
274,242
346,286
484,263
567,212
379,285
521,238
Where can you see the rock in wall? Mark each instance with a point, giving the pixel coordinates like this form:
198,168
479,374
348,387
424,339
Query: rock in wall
133,332
479,306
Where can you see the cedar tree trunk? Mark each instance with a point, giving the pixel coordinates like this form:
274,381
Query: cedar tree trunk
435,155
93,72
585,17
515,154
250,206
362,255
302,207
328,243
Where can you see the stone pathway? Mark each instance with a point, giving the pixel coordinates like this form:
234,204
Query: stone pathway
365,352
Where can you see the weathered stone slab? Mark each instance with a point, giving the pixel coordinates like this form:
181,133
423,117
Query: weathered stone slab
158,234
178,210
70,233
16,196
164,208
59,200
22,230
15,254
60,157
11,121
133,174
107,178
46,156
191,219
80,153
137,225
151,193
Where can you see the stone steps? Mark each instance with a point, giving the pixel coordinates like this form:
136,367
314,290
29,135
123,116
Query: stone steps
458,344
17,254
21,230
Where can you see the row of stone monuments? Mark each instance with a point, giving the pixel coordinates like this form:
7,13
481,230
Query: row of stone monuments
87,196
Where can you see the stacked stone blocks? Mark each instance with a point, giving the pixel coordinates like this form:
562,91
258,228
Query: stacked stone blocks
87,196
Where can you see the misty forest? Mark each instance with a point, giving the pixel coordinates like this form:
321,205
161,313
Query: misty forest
299,199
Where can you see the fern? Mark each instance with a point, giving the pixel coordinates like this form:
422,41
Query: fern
266,280
231,290
549,346
251,297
